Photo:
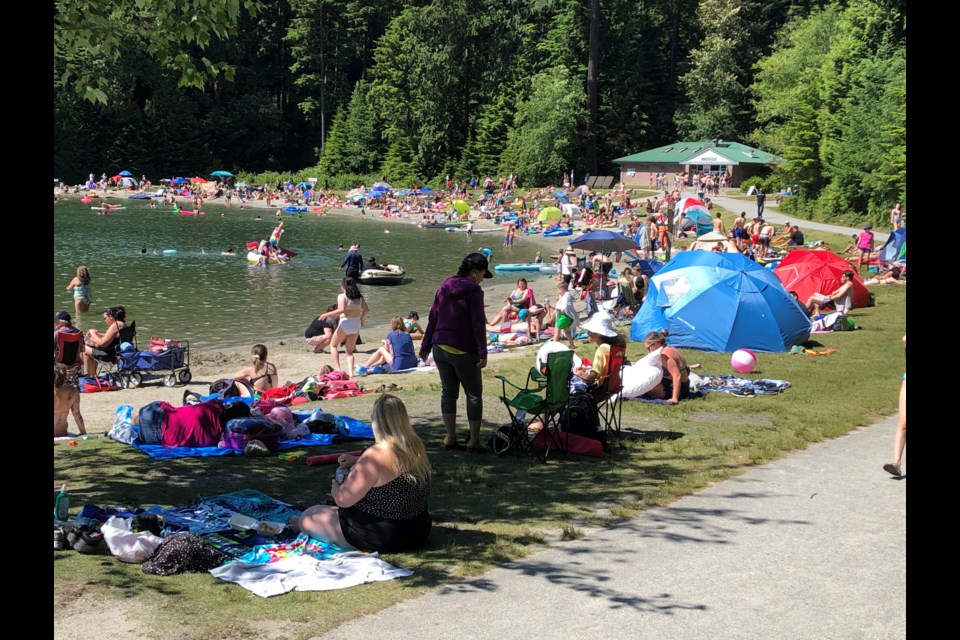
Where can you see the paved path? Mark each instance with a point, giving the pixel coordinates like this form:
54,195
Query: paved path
771,213
809,546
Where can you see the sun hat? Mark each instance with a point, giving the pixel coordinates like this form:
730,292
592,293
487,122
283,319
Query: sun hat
600,323
570,252
62,316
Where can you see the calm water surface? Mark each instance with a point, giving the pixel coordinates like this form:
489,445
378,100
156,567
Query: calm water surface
219,301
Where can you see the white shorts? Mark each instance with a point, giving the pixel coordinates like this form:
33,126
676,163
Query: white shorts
349,326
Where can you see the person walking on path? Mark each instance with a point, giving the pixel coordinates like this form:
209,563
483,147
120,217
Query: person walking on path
456,336
900,437
761,199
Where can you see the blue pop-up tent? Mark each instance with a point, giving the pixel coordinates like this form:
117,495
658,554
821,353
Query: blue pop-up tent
721,302
896,247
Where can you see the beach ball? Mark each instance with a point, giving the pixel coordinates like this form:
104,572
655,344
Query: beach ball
743,361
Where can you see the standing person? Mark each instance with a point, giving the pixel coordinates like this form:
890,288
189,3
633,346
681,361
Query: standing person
66,400
82,291
718,224
740,229
457,337
568,265
761,199
900,438
353,310
896,220
353,261
646,238
865,246
261,375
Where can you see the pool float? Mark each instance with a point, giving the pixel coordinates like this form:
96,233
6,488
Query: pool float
553,233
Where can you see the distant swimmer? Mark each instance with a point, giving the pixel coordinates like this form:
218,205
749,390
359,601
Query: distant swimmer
259,218
340,248
143,250
386,230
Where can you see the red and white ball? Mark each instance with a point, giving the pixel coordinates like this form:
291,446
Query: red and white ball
743,361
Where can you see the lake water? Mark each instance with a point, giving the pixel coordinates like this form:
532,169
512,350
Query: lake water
219,301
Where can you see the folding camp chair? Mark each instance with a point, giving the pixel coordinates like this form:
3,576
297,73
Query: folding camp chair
528,406
609,399
68,351
110,364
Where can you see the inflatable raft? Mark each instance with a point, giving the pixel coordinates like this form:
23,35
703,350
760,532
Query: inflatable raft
392,274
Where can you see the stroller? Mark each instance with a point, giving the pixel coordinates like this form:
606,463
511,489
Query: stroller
173,364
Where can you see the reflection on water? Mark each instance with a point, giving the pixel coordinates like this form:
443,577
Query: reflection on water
219,301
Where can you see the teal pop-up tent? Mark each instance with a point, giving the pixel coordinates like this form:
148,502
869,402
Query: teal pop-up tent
721,302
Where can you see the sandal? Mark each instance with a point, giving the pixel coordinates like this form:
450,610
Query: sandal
393,387
380,389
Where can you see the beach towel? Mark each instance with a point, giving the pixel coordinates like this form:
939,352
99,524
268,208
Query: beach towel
306,572
743,386
353,430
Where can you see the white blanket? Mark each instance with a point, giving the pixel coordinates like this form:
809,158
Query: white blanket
306,573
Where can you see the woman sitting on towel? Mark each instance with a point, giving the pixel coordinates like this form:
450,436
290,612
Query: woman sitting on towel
261,375
381,503
675,385
397,350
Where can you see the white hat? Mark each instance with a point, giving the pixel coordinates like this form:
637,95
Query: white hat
600,323
570,252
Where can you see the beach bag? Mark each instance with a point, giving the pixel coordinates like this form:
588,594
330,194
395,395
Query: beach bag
126,544
87,384
230,388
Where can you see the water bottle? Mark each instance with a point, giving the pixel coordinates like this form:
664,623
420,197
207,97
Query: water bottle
61,504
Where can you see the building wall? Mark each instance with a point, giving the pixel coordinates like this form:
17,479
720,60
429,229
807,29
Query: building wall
644,174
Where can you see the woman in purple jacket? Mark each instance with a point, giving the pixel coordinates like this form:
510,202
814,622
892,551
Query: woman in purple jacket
457,338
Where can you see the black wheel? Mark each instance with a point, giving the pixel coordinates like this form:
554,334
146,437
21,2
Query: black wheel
134,380
169,380
185,376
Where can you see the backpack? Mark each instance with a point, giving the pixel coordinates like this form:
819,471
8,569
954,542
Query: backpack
580,416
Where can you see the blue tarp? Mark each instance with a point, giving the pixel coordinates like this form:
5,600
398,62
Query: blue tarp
721,302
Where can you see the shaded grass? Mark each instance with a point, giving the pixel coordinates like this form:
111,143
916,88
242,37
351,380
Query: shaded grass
489,510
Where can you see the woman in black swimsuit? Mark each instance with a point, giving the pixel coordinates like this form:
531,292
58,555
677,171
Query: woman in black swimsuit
261,375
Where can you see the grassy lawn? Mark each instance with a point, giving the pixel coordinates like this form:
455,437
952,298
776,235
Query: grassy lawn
489,510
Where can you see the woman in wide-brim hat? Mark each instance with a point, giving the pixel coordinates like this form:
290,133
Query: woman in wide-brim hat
600,331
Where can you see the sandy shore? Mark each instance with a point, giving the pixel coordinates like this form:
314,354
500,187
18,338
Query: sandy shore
294,359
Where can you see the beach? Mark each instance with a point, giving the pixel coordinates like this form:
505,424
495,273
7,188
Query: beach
294,359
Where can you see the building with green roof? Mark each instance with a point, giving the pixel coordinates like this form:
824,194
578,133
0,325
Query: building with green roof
712,156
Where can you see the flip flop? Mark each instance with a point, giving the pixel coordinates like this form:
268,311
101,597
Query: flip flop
393,387
380,389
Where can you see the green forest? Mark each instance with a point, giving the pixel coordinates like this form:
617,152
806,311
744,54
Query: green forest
352,90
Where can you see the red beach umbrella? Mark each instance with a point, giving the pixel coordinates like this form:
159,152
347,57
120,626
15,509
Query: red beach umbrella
197,180
809,271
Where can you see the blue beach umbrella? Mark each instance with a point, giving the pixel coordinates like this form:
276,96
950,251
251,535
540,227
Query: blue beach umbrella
125,174
222,174
178,180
